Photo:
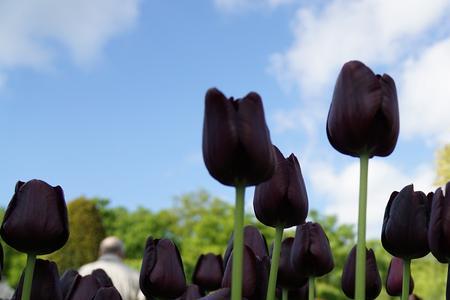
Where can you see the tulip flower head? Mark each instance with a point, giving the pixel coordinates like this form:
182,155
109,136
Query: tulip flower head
311,253
282,200
439,227
405,225
107,293
373,279
288,277
237,149
36,218
208,272
193,292
363,116
395,276
162,273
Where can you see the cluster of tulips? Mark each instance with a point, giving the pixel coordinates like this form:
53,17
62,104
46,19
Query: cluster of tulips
363,122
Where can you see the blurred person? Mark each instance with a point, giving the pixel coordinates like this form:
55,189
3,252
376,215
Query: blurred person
124,278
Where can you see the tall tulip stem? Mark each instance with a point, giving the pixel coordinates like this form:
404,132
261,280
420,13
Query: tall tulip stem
275,262
311,288
284,294
360,280
238,244
406,277
28,280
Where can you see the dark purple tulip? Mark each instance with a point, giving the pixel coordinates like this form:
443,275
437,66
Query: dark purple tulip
208,272
363,116
405,225
83,287
193,292
36,218
236,141
254,239
45,284
311,253
439,227
222,294
282,200
299,293
373,279
395,277
68,281
102,278
287,276
162,273
107,293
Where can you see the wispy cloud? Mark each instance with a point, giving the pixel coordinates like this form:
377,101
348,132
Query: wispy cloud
244,5
33,33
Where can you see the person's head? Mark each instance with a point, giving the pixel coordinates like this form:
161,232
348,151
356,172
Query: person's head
112,245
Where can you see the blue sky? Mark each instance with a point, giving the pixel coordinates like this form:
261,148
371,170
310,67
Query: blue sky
106,98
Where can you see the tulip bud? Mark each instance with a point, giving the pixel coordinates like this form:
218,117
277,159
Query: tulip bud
363,116
67,281
288,277
222,294
208,272
311,253
236,141
298,293
373,279
282,200
36,218
103,278
162,273
438,232
254,239
192,292
405,224
107,293
45,285
83,287
395,277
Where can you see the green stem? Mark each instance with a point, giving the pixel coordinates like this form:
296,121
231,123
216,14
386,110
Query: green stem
275,262
360,280
28,279
284,294
406,277
238,244
311,288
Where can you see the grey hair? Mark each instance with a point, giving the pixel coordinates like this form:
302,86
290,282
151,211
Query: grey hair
112,245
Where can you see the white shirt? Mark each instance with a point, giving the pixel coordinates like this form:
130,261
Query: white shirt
124,278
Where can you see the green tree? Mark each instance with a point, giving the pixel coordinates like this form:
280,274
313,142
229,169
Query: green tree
86,233
443,165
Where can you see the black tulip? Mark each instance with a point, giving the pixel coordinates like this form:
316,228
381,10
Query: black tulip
363,116
438,231
222,294
102,278
193,292
288,277
254,239
67,281
394,278
299,293
83,287
107,293
36,218
282,200
311,253
208,272
45,285
405,225
373,279
162,273
236,141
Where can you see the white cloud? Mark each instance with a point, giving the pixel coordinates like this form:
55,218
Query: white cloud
340,189
32,32
374,31
425,94
243,5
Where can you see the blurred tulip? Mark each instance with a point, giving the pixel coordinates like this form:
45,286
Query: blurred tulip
405,224
288,277
67,281
254,239
45,284
193,292
373,279
208,272
311,253
282,200
363,116
102,278
83,287
222,294
162,273
236,141
36,218
107,293
395,277
439,227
